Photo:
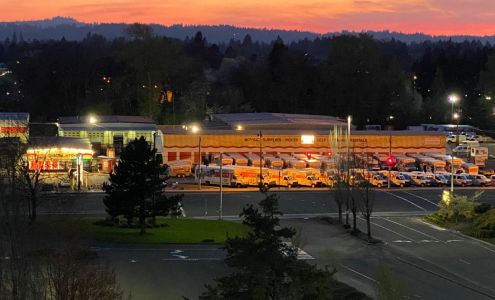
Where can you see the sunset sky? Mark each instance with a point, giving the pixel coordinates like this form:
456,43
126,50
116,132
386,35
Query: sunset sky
476,17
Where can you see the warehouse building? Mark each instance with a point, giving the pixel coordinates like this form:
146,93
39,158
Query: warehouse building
295,134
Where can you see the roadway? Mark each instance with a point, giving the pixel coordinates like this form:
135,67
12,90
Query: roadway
430,262
306,203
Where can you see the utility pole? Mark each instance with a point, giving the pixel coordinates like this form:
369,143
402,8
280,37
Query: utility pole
199,162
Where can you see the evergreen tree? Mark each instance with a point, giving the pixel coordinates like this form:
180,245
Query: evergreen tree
267,267
135,186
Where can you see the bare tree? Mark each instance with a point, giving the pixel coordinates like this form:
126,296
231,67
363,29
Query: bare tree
366,201
47,261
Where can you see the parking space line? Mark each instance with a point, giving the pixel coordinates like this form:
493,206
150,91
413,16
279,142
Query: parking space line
402,198
359,273
422,198
401,235
412,229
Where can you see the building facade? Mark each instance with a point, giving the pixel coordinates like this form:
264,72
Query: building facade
182,144
110,134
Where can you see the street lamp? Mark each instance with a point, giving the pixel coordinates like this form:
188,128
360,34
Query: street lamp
92,119
453,99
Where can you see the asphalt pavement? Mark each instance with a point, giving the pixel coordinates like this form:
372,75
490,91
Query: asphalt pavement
430,262
294,204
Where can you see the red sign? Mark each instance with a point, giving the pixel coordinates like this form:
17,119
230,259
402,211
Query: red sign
44,165
13,130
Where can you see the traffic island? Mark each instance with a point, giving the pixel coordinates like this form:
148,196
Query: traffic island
465,215
166,231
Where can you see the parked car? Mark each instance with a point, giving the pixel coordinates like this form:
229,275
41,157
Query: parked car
480,180
441,180
462,150
461,180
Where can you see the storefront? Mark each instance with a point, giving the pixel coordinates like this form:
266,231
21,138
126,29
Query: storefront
58,154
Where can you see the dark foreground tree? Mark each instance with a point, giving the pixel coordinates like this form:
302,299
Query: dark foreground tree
268,268
135,188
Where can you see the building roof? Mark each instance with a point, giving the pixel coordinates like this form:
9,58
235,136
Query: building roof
104,119
207,131
14,116
59,142
103,123
278,120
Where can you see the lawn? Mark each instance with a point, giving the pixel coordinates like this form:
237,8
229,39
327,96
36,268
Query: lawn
173,231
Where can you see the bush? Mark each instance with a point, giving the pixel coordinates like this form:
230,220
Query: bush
484,226
482,208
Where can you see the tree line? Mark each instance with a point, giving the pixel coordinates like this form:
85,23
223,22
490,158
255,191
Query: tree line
179,81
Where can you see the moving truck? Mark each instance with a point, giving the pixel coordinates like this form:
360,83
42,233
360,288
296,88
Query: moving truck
180,168
235,176
304,178
211,176
280,178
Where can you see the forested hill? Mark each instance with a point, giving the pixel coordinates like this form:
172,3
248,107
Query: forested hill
73,30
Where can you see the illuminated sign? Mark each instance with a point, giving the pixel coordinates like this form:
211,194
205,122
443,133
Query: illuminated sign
307,139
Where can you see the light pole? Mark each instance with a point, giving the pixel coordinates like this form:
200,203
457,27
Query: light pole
348,170
261,159
221,186
456,117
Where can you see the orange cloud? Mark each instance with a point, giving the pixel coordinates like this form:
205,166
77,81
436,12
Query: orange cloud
429,16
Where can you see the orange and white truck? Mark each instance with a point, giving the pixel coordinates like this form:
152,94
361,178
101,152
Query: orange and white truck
180,168
304,177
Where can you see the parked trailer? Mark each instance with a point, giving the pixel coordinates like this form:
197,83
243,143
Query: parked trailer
292,162
470,168
239,159
226,159
180,168
406,163
254,159
273,162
